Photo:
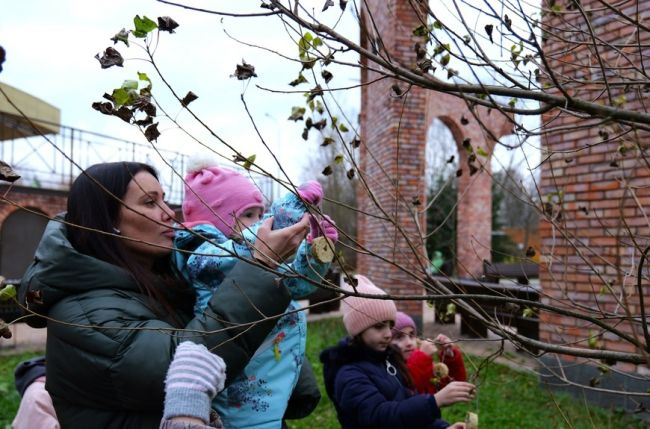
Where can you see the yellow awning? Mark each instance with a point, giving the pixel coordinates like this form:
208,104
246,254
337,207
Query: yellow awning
45,117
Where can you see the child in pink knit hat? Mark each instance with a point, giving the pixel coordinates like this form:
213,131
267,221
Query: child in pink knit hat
428,376
222,212
367,380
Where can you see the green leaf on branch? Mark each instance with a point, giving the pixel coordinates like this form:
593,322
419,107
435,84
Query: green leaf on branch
343,128
143,26
123,97
8,292
438,25
130,85
338,159
327,141
304,44
619,101
528,312
421,31
445,60
144,77
593,341
122,36
314,92
481,152
249,162
297,81
451,309
308,63
297,113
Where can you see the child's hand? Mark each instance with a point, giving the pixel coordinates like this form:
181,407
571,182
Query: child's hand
456,391
311,192
458,425
428,347
326,228
445,342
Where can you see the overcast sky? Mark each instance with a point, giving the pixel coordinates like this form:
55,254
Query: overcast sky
50,54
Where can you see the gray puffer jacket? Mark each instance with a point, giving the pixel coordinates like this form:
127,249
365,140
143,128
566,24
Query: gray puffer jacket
107,350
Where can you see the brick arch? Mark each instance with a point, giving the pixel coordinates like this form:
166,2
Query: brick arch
392,164
474,211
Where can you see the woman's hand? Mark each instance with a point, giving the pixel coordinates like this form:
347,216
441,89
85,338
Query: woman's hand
456,391
274,246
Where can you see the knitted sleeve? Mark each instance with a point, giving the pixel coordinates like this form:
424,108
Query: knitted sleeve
420,366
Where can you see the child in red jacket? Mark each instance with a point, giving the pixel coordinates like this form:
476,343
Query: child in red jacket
428,376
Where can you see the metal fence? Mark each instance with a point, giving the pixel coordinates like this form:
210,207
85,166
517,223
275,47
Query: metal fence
55,160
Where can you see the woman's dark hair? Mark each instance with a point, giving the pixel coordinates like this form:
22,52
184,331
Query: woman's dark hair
94,203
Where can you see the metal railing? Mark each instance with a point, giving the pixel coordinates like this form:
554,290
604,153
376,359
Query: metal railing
55,160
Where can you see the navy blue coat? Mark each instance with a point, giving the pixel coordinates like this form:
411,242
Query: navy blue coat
367,396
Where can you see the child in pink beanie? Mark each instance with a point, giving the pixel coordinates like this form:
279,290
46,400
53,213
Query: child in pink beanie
367,379
222,212
428,376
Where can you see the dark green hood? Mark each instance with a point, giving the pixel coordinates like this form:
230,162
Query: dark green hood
59,270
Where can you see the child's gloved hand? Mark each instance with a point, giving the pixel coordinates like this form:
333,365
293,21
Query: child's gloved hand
326,228
311,192
194,377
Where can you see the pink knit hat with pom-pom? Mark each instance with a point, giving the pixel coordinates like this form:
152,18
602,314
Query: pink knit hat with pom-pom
218,196
361,313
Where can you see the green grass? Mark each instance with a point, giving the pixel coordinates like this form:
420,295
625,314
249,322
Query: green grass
506,398
9,398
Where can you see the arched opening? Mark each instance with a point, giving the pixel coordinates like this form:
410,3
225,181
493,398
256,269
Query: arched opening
515,220
442,195
19,237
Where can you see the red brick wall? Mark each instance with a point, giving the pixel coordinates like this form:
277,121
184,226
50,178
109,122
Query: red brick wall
592,250
392,164
47,201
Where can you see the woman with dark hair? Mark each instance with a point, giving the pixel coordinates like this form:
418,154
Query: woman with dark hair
103,284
